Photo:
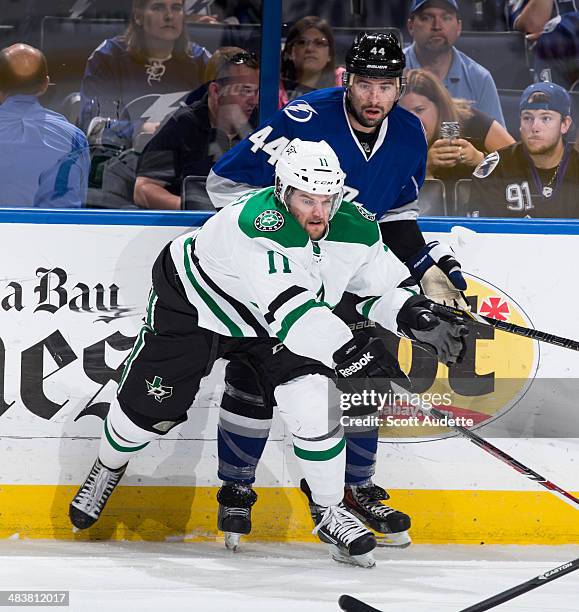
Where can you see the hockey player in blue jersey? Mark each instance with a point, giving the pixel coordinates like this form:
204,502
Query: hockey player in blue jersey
383,150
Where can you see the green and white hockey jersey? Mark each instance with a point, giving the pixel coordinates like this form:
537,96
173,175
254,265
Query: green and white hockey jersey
253,271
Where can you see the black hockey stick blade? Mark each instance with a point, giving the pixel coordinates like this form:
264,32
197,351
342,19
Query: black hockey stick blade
463,316
351,604
520,589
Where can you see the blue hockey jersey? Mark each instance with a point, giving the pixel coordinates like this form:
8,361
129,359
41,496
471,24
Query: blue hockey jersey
513,8
385,183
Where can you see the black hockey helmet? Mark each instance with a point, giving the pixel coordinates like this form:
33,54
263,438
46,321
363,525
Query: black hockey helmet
375,55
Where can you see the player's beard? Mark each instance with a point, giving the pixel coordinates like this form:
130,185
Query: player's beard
359,117
319,234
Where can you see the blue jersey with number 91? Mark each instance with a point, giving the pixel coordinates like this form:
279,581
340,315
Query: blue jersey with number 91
386,182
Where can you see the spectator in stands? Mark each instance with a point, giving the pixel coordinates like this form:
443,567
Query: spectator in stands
233,12
196,136
539,176
44,161
455,158
435,26
553,25
308,59
153,56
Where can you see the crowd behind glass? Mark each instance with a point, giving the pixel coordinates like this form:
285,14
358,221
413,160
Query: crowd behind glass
153,92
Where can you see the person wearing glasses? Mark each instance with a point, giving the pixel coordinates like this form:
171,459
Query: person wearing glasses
153,56
308,59
196,136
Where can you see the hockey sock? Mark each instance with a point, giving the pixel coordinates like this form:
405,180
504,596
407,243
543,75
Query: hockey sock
322,462
244,424
121,438
361,450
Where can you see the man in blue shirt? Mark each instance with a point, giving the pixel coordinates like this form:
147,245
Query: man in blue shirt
435,26
48,162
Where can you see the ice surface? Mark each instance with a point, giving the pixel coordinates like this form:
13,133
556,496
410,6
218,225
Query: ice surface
125,576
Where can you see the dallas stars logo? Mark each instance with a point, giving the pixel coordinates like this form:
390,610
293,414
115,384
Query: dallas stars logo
269,221
157,390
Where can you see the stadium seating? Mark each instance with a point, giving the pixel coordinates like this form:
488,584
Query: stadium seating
194,195
504,54
462,197
212,36
7,33
344,37
67,44
432,199
509,99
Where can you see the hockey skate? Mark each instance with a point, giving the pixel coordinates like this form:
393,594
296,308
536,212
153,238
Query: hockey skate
89,501
365,502
234,516
349,541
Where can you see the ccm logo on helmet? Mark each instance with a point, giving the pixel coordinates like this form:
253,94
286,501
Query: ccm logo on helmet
299,111
357,365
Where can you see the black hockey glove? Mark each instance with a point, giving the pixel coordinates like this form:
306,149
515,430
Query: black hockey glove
444,337
367,357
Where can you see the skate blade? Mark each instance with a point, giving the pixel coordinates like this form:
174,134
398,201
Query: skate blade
232,540
393,540
366,560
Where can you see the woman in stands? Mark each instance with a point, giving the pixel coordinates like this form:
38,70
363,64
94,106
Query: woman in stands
479,134
153,56
307,60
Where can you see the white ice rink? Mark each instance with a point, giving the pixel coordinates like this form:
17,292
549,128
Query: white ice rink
127,576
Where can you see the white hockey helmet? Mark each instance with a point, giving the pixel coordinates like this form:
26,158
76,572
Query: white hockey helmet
312,167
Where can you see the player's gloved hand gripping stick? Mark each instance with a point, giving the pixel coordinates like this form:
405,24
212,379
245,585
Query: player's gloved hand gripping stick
474,319
443,336
437,270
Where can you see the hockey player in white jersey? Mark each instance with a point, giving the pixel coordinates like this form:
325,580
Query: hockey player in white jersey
382,149
257,282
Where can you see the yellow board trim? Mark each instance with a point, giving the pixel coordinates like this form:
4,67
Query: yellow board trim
281,514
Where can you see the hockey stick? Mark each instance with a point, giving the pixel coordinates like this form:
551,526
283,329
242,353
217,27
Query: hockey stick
465,317
525,587
351,604
505,458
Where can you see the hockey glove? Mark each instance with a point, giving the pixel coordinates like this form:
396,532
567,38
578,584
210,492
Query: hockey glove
439,274
366,357
443,337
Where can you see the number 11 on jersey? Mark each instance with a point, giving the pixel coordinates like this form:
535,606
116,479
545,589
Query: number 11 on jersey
271,260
